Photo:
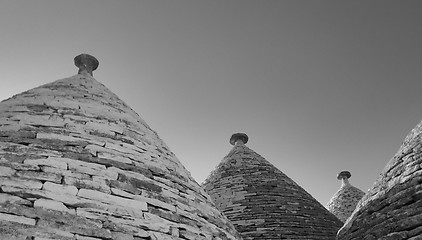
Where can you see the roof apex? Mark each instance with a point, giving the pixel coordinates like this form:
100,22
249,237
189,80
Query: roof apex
239,137
86,63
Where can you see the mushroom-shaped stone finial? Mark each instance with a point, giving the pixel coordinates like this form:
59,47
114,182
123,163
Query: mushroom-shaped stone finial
86,63
239,138
344,175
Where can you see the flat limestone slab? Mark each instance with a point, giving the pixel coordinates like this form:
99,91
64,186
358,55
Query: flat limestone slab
17,219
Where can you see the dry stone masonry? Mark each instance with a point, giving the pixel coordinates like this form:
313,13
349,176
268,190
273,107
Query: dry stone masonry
76,163
262,202
392,208
345,199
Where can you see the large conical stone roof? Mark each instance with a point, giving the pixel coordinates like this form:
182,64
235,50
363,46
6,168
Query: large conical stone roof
77,163
262,202
344,201
392,208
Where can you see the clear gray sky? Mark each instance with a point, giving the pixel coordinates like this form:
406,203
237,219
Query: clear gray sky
319,86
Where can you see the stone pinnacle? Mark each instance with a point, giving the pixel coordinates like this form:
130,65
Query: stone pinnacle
86,63
239,138
344,175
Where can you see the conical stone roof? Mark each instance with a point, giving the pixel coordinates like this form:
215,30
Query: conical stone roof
262,202
344,201
77,163
392,208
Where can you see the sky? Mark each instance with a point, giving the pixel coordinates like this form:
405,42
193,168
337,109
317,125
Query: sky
318,86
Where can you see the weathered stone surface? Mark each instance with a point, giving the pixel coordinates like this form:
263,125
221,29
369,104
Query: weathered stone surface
263,203
14,231
344,201
60,189
114,200
17,219
53,205
77,163
6,171
20,183
6,198
392,208
51,162
42,176
99,184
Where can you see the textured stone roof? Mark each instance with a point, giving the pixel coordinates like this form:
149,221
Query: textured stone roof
344,201
392,208
263,203
77,163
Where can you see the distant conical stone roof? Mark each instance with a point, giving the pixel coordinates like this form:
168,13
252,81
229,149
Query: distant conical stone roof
77,163
392,208
262,202
344,201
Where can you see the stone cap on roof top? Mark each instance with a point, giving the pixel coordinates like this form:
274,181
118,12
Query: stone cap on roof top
239,137
86,63
344,175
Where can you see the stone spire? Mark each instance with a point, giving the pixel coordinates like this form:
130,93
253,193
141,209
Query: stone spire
77,163
345,199
262,202
392,208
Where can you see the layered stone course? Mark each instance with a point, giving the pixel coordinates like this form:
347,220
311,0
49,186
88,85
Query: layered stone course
77,163
263,203
392,208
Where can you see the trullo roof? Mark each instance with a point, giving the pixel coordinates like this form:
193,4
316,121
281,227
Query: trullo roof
262,202
344,201
392,208
77,163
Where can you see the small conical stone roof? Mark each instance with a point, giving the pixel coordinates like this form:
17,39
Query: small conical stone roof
392,208
344,201
262,202
77,163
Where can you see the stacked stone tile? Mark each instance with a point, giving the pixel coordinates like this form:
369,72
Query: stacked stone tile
77,163
262,202
392,208
344,201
